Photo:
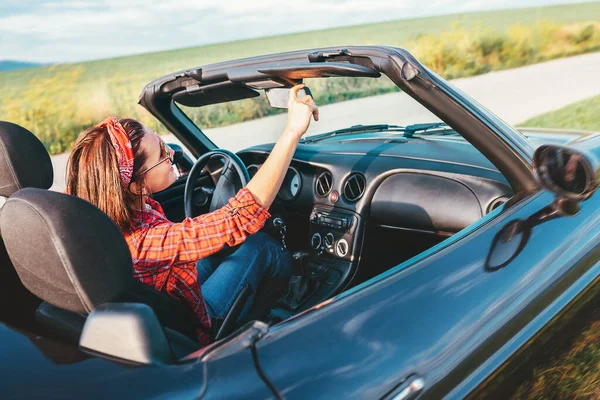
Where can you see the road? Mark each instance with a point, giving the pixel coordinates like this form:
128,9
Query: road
514,95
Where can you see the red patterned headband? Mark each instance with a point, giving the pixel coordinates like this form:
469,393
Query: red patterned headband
122,144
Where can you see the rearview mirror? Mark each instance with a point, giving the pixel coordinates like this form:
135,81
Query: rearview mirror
278,97
565,171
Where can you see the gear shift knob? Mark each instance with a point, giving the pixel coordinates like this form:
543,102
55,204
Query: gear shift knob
299,259
299,255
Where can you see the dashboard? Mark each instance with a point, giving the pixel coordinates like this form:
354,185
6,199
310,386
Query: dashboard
345,199
433,185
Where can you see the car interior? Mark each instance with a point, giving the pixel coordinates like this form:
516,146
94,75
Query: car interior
356,202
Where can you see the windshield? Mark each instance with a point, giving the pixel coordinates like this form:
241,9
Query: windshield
343,103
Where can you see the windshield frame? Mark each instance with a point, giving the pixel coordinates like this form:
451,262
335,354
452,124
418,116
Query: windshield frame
498,142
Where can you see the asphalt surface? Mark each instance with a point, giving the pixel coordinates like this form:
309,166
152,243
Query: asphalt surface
514,95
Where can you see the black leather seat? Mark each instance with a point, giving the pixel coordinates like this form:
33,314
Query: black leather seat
41,272
64,255
24,162
70,254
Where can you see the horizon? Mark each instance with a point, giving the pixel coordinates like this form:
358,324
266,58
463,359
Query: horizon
20,29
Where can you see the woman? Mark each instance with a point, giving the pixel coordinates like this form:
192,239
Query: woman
117,165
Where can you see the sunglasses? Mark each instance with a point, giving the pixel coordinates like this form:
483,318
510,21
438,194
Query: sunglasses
165,149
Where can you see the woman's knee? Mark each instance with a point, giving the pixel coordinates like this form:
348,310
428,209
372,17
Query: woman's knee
280,260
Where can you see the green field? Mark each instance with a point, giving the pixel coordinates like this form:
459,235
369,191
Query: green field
146,67
583,115
58,102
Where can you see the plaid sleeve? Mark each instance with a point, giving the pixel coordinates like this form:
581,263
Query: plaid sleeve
195,238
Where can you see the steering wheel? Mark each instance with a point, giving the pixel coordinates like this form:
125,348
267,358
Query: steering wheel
234,176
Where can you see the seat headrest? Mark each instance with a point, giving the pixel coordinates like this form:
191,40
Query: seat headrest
24,161
65,250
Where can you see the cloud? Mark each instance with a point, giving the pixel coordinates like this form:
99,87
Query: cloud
77,5
63,31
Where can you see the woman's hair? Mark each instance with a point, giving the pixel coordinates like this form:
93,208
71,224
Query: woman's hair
93,172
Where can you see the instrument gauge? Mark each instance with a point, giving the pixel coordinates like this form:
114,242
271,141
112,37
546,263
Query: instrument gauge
253,169
295,185
291,186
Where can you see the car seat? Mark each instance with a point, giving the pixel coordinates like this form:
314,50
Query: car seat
65,251
71,255
24,162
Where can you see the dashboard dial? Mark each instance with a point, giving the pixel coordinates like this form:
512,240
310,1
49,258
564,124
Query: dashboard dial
329,239
315,241
295,185
341,248
292,183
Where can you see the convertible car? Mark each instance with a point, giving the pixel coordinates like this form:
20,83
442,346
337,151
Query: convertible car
439,252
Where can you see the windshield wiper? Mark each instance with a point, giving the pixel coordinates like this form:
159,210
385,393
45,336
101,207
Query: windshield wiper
432,128
353,129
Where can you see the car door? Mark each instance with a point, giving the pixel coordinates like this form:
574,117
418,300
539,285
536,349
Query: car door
561,358
561,361
444,316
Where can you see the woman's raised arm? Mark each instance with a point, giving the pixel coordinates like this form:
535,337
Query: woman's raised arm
267,181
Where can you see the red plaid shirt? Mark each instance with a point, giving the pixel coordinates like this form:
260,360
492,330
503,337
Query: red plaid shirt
165,253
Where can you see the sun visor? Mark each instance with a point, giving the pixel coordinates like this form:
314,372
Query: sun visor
198,96
320,70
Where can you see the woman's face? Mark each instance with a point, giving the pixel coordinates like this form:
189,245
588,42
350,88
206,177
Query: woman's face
161,173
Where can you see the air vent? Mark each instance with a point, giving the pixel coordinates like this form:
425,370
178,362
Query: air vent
324,184
497,203
354,187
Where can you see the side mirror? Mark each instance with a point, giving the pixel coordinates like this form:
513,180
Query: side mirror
178,150
128,332
568,173
278,97
183,161
507,244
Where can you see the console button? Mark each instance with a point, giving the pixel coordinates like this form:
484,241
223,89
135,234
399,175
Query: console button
334,196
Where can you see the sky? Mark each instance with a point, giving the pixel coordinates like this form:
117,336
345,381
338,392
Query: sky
50,31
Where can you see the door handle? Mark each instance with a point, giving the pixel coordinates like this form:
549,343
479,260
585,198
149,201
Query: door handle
408,390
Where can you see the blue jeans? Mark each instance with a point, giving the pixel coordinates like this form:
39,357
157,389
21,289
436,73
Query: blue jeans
259,261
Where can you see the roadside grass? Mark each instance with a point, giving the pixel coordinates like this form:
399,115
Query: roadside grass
574,374
583,115
58,102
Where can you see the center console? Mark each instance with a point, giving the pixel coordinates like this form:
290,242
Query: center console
333,233
335,237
